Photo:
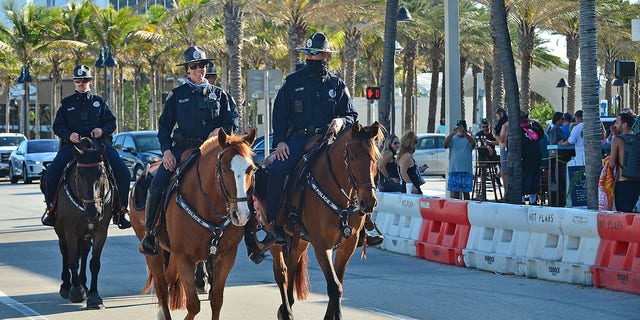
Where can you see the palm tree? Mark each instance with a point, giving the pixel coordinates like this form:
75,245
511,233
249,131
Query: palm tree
590,92
568,24
233,11
503,40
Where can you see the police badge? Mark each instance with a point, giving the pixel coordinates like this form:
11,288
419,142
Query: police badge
96,104
196,55
332,93
309,43
213,96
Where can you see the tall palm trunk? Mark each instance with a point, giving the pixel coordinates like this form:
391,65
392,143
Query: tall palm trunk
487,74
609,73
352,39
497,87
7,109
592,132
136,98
36,113
234,33
573,53
153,118
475,70
525,45
433,92
514,166
410,56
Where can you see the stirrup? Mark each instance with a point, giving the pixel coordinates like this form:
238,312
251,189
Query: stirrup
150,249
120,219
48,217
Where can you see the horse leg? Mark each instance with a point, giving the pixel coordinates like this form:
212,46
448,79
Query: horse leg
294,263
186,269
334,286
160,284
280,274
200,277
85,246
77,292
343,255
94,301
65,275
222,266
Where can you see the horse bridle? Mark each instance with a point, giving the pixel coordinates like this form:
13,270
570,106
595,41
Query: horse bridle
352,178
98,200
227,199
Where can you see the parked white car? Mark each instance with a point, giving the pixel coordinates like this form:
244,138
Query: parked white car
8,143
31,157
431,151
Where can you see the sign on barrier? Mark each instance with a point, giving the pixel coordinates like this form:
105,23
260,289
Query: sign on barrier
445,230
399,220
499,237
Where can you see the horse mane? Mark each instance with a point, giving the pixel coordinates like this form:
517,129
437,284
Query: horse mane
372,144
235,141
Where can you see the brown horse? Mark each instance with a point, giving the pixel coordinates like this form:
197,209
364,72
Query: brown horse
337,194
215,188
85,203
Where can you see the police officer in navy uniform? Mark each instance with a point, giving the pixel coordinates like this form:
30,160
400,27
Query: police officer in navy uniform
193,111
84,114
310,99
212,74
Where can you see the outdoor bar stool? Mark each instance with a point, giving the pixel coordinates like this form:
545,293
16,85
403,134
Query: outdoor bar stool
486,173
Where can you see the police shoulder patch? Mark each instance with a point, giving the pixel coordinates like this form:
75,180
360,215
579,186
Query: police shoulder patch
96,104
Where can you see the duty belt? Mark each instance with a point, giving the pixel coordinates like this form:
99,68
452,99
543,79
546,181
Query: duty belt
310,131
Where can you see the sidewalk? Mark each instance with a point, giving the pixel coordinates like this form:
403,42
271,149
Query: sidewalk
434,186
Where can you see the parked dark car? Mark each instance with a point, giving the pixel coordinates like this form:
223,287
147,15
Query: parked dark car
138,149
258,148
30,158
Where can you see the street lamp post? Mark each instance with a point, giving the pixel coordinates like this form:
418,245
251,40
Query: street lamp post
99,64
617,82
392,17
398,48
562,84
25,78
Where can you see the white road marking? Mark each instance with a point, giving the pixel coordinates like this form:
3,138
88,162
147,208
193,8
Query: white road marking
388,314
24,310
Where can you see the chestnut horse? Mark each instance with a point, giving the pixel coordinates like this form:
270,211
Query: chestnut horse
215,188
337,194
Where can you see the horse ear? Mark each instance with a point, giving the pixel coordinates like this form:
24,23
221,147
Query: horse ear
222,137
251,137
374,129
356,128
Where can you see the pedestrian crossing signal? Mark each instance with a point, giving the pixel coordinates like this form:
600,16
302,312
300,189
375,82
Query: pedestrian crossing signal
373,93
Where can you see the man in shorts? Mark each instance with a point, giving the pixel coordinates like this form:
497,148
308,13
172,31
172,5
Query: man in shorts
460,145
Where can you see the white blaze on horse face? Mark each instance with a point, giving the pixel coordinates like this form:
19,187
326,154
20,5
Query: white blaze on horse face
239,166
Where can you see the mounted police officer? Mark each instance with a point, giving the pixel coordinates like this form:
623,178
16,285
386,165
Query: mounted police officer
199,109
212,74
84,114
310,99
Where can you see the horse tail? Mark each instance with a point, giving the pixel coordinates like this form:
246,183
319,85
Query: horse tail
177,297
301,277
147,285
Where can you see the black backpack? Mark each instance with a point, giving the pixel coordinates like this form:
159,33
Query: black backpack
631,158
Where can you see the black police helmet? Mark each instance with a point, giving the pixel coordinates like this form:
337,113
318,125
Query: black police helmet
318,41
211,69
193,54
82,72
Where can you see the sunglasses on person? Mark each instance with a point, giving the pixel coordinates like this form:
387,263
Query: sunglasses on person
200,65
397,143
86,80
311,52
485,126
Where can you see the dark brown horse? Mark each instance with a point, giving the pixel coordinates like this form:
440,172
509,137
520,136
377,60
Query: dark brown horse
215,188
84,206
337,194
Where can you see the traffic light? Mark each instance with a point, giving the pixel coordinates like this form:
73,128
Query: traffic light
373,93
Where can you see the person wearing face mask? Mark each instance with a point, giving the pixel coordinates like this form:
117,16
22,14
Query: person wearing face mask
460,145
84,114
310,101
192,113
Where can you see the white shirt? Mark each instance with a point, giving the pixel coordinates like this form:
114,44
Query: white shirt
575,138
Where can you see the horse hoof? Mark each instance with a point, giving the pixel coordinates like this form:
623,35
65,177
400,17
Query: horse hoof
94,302
64,292
77,294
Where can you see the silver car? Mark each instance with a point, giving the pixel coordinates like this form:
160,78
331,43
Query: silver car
30,158
9,142
431,151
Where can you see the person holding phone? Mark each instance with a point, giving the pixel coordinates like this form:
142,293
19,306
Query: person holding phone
409,170
460,145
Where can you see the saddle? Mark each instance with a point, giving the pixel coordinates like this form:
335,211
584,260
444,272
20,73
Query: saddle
141,186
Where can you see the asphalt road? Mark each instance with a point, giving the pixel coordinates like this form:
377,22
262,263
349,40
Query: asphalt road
384,286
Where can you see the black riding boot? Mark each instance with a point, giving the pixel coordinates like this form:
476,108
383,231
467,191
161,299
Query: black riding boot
372,240
149,245
49,216
120,219
256,249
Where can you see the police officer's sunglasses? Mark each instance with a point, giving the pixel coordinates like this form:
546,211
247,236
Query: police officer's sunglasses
85,80
200,65
311,52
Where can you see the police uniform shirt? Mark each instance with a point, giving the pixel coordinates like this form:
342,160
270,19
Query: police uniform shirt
81,113
196,112
305,101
